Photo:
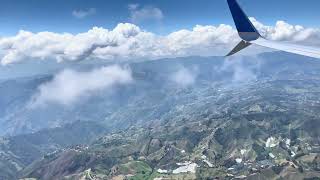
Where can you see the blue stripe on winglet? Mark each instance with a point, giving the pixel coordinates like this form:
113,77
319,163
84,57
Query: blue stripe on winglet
241,20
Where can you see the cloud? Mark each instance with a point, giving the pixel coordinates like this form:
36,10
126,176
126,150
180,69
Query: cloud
129,42
184,77
243,71
283,31
68,86
82,13
133,7
146,13
125,42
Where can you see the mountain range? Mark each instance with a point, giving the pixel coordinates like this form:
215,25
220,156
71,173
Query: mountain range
246,117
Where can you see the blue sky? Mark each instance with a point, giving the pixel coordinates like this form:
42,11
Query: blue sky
56,16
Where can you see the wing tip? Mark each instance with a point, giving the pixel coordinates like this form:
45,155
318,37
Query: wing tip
245,28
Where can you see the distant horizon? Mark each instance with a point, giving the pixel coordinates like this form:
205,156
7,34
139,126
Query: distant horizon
31,70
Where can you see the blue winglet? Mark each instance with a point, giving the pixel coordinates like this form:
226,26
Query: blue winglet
244,26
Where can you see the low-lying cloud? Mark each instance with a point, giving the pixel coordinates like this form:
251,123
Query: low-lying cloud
242,71
68,86
184,77
129,42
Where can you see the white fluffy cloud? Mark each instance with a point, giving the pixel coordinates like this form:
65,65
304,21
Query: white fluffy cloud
68,86
283,31
124,42
184,77
129,42
139,14
82,13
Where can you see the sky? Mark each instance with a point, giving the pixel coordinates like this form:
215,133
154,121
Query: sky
75,16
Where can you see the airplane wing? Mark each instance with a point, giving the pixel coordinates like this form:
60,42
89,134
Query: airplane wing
250,35
288,47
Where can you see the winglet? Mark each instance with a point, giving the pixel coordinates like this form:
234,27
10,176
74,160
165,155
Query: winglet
242,45
245,28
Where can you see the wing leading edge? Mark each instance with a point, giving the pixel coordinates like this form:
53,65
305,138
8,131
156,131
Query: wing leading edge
250,35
